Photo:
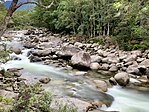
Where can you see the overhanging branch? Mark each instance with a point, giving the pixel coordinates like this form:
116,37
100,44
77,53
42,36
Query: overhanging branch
36,3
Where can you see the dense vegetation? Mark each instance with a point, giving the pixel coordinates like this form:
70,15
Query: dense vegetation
2,12
126,22
33,98
22,20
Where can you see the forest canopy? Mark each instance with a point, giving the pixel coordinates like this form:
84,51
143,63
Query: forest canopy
126,22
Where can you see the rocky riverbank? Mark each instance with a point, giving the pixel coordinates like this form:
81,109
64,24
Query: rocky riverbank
63,51
129,69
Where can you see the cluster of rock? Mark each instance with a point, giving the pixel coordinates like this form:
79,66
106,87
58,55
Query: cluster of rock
61,51
10,80
52,48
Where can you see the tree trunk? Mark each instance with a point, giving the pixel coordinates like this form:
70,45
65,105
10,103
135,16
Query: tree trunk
108,30
4,25
13,7
7,18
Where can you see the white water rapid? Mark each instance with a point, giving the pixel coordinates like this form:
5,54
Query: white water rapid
126,100
24,63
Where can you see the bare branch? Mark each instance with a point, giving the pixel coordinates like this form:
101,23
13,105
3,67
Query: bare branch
36,3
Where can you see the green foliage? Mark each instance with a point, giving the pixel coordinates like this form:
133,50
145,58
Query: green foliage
7,101
5,104
22,20
121,19
28,100
32,99
3,53
2,13
133,25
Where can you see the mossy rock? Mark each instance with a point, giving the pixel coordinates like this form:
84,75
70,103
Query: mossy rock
8,74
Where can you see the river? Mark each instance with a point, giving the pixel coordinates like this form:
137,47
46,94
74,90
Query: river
65,84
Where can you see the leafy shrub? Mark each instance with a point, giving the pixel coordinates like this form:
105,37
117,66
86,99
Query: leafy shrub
32,99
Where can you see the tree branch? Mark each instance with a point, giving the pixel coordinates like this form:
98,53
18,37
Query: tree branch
36,3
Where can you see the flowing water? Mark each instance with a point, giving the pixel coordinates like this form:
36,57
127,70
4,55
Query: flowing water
64,84
129,100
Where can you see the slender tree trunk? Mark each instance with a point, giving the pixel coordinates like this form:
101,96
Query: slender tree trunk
108,29
94,26
8,16
91,30
104,30
4,25
13,7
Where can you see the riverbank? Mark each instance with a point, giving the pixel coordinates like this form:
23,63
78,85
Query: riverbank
67,51
102,66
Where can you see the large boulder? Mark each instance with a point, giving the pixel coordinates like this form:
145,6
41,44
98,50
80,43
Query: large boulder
100,52
96,58
94,66
105,60
113,68
28,45
14,69
71,102
101,85
139,60
104,66
81,60
34,58
78,44
45,80
129,58
137,52
113,59
122,78
144,67
144,70
145,63
68,51
52,42
41,53
112,81
15,50
133,69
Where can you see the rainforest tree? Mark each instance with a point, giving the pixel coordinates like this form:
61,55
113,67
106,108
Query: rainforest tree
13,7
126,20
